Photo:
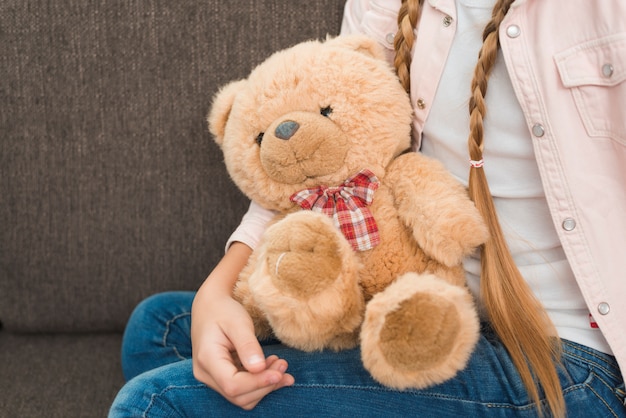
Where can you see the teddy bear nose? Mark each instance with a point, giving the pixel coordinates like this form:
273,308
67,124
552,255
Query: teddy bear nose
286,129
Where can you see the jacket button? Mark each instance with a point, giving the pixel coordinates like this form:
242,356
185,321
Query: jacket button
607,70
390,38
604,308
513,31
538,130
447,21
569,224
421,104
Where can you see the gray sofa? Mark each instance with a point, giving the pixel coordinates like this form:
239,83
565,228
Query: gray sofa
111,188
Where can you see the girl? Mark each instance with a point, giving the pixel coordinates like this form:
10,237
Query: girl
546,149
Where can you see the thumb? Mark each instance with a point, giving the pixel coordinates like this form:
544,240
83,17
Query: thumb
248,349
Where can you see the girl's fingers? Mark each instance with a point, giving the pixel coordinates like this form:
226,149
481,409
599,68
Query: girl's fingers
250,399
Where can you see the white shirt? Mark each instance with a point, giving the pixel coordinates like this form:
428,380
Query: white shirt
513,175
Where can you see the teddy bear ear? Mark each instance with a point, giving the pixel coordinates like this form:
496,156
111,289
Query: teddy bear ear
360,43
221,107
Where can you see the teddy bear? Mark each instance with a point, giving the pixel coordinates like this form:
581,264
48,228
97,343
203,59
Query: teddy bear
367,244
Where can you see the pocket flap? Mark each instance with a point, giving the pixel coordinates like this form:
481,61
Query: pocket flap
601,62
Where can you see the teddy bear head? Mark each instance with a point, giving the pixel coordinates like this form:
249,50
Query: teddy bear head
314,114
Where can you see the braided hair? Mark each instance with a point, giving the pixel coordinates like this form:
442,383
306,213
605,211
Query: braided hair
518,318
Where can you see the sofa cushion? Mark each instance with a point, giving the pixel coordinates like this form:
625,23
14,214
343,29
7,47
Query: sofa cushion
59,376
111,188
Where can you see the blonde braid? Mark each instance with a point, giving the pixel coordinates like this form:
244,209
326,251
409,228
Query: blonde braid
518,318
408,16
516,315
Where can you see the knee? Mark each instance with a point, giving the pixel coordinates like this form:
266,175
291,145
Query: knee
167,391
129,401
137,396
160,321
151,307
159,308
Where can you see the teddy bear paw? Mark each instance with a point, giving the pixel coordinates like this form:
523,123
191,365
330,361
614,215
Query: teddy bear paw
419,332
457,238
305,254
310,291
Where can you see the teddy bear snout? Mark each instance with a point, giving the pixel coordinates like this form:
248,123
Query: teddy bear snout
286,129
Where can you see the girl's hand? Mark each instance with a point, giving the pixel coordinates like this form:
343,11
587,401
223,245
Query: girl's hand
226,354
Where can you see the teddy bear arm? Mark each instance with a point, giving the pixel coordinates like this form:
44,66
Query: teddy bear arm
436,207
243,294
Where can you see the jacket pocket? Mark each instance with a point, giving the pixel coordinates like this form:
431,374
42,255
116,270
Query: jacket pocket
595,72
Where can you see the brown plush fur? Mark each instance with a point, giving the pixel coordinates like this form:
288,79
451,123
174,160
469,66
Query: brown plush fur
405,300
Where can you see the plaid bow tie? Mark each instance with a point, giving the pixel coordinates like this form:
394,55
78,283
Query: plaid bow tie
347,206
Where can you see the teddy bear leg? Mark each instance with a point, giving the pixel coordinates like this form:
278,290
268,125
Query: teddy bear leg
307,283
419,332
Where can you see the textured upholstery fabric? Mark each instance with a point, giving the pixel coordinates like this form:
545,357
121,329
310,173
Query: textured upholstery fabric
111,188
59,376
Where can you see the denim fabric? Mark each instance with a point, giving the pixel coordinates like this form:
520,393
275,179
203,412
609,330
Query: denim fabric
158,333
332,384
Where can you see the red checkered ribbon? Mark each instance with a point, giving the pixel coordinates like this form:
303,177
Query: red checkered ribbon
347,206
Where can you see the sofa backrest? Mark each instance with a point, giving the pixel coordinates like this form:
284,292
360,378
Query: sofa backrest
111,188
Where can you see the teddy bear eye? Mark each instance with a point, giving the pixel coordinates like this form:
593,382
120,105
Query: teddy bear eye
259,138
326,111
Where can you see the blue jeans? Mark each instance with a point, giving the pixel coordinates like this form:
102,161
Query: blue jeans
156,358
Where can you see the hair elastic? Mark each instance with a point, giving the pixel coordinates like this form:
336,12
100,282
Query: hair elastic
477,164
